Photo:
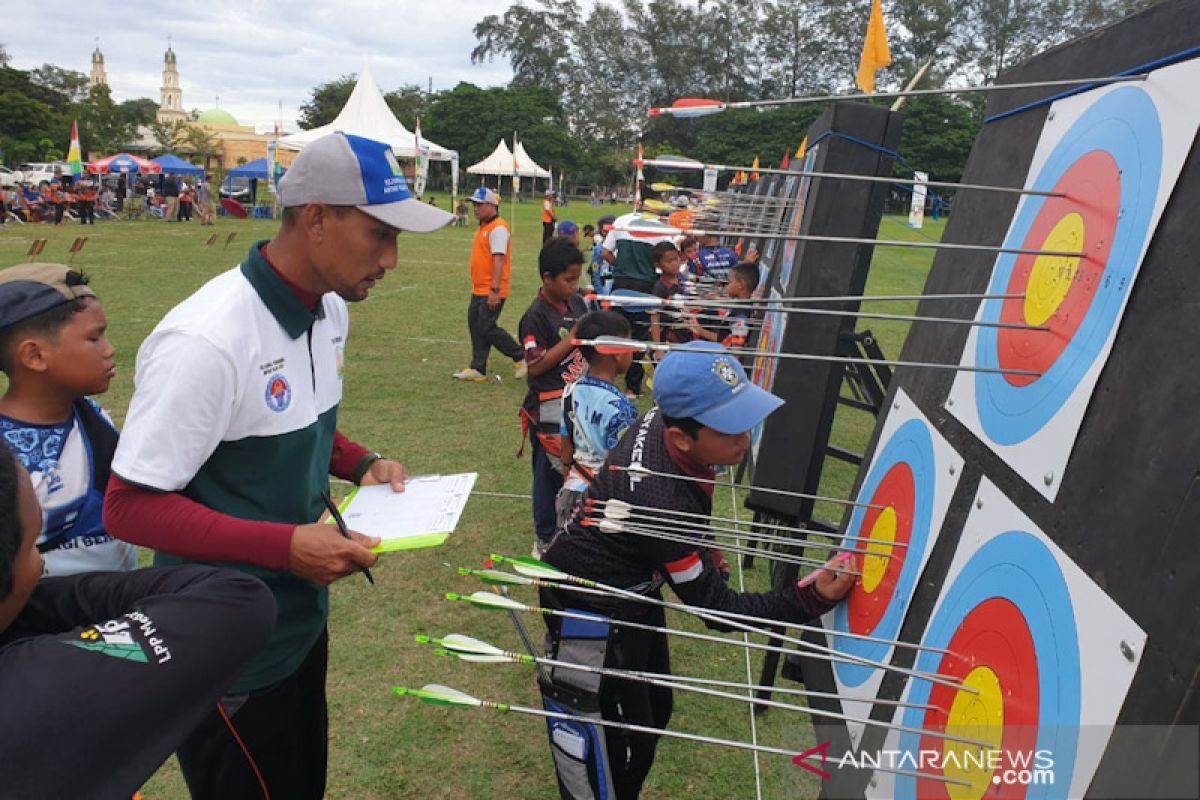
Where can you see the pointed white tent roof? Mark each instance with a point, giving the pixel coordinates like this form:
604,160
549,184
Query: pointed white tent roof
529,167
366,113
500,162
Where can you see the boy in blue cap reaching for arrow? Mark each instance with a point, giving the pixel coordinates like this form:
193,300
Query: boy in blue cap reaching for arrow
706,410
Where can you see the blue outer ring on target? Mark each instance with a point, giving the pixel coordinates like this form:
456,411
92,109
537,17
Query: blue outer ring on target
1016,566
912,445
1125,124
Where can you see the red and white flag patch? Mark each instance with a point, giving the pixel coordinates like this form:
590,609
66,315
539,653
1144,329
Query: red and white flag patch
685,569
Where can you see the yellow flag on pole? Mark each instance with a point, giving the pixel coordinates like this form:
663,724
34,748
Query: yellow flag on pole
754,169
802,149
875,52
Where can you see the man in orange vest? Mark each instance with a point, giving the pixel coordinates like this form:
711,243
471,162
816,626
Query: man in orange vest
491,260
548,218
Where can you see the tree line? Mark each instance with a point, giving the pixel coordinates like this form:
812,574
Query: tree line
582,80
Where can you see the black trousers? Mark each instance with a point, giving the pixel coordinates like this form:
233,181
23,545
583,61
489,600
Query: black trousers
486,333
277,737
630,755
547,231
124,665
87,212
639,325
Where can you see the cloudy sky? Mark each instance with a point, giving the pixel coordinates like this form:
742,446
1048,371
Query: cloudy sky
254,54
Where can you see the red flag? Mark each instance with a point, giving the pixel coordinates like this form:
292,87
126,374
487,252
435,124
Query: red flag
787,159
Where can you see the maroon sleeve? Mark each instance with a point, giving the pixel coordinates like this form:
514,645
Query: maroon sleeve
346,457
172,523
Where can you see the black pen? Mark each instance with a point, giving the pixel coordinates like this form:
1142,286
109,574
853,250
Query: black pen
341,524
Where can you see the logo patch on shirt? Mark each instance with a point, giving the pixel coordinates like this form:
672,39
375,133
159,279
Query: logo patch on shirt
113,638
279,393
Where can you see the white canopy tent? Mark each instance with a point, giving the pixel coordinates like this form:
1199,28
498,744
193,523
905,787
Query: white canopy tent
501,162
366,113
529,167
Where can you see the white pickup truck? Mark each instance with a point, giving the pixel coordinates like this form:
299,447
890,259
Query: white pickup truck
39,174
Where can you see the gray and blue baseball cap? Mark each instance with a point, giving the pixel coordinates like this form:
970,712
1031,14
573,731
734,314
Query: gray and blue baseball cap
346,170
485,195
704,382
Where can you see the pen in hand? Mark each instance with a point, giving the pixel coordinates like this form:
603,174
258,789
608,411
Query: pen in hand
341,525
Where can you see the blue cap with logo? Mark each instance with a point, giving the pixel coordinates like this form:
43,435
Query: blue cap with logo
346,170
485,195
567,228
704,382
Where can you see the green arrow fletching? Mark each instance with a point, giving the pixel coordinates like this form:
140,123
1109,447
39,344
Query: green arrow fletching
532,568
494,602
475,658
494,577
467,644
438,695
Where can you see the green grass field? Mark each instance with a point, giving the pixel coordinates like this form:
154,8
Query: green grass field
405,340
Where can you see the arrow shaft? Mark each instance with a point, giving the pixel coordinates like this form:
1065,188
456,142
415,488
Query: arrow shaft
704,637
619,507
862,298
668,682
846,176
683,538
686,305
827,98
812,237
691,737
731,620
609,346
764,489
700,528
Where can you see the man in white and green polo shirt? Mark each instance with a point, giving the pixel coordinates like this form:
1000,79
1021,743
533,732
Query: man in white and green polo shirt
231,436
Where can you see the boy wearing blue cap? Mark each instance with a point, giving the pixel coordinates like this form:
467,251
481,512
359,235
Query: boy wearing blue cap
706,410
55,354
570,231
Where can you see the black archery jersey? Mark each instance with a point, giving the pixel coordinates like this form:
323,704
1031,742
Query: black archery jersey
641,563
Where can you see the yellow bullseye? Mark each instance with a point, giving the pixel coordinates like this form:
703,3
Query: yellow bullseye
1052,276
874,566
973,716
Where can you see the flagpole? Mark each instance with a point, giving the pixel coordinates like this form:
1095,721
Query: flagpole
516,186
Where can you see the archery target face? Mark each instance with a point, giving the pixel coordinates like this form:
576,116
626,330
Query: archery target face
787,258
1114,154
908,486
770,339
1041,650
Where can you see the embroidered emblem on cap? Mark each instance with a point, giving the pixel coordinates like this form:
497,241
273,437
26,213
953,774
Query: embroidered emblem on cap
392,162
726,372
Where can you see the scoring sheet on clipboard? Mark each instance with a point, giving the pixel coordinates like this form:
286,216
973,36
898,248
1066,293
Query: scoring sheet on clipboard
423,515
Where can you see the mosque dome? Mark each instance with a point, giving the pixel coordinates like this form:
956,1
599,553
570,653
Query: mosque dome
217,116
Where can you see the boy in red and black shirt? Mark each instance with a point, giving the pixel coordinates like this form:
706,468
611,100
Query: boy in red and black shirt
547,330
706,409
